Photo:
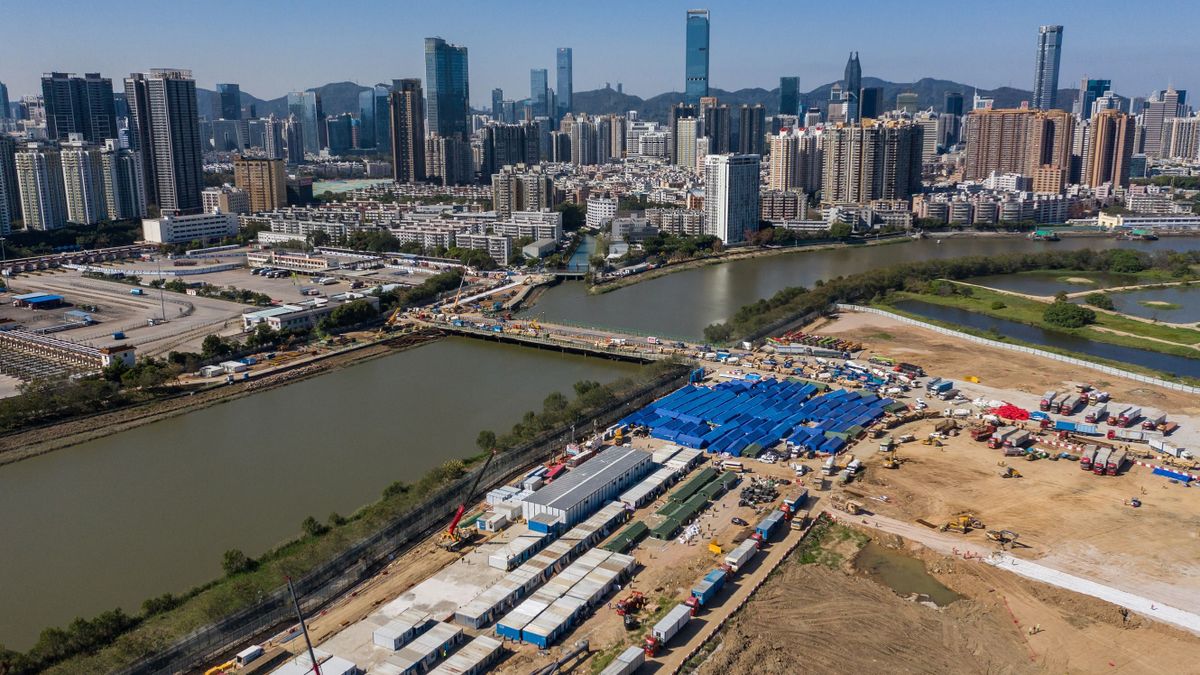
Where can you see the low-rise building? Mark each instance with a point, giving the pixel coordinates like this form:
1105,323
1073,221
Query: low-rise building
1138,222
289,260
540,248
301,315
203,227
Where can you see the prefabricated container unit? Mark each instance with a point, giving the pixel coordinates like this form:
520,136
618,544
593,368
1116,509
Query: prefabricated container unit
627,662
330,665
475,658
552,623
693,485
666,529
542,522
689,456
671,624
768,524
627,538
508,510
517,551
426,650
248,654
706,589
533,483
493,523
501,494
664,453
398,632
743,554
578,494
522,615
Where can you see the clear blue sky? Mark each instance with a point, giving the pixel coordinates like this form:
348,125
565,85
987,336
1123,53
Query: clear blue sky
271,47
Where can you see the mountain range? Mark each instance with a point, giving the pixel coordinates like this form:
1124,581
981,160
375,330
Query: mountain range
341,97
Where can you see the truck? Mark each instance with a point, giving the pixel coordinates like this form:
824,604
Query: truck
741,556
830,466
707,588
940,386
1068,404
845,476
948,394
796,501
1059,425
626,663
1153,421
1097,396
1095,413
1017,440
1100,462
1088,429
996,440
1128,417
1115,412
667,628
1048,400
1168,449
1134,435
1087,457
136,291
1116,459
982,432
957,412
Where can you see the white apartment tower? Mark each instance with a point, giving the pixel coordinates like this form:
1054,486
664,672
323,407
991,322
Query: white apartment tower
40,180
731,196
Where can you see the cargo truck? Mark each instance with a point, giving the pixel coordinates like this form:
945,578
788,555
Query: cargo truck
1130,416
1154,421
1068,404
948,394
667,628
1048,400
1087,457
1017,440
1168,449
1116,458
704,591
1095,413
741,556
1134,435
830,467
997,438
1114,414
1100,463
940,386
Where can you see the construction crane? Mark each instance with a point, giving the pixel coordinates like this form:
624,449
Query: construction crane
451,540
458,295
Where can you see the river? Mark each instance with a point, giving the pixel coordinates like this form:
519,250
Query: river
680,305
120,519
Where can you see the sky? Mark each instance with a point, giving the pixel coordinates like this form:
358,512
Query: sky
271,47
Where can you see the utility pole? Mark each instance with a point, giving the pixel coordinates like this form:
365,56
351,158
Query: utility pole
303,628
162,302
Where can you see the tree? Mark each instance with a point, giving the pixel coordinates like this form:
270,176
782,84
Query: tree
1068,315
486,440
1100,300
718,332
319,238
313,527
236,562
574,215
214,346
998,305
840,231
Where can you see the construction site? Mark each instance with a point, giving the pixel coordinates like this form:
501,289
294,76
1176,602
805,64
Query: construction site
650,547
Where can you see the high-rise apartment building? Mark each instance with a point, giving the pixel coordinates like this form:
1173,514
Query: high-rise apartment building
789,96
1185,139
263,180
83,181
686,133
10,192
852,86
1109,149
583,136
1016,141
40,181
408,131
783,170
448,160
678,111
273,138
293,139
79,105
539,92
1045,78
508,145
124,184
566,82
1162,107
716,122
498,104
731,204
306,106
752,129
229,98
696,56
521,188
448,80
5,108
165,123
875,160
225,199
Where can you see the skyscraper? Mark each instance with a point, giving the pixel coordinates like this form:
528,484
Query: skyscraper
716,123
566,83
448,79
79,105
124,185
1045,77
870,102
339,130
731,196
83,181
752,129
293,138
1160,110
853,86
40,178
273,137
264,181
789,96
408,131
306,106
1016,141
230,96
879,160
678,112
497,103
685,142
1089,91
10,192
696,56
1110,149
5,111
166,125
954,103
539,92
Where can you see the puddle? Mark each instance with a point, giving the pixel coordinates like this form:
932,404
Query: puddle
902,574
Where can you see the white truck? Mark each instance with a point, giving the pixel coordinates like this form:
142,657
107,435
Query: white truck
739,557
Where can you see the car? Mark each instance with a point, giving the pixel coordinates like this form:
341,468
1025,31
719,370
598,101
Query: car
784,481
739,521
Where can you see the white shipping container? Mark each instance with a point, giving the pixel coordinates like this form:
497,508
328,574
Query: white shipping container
670,624
627,662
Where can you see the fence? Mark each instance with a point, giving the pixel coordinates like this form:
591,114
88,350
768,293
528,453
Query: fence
1137,377
366,558
781,326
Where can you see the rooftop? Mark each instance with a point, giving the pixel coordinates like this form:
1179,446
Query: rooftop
583,480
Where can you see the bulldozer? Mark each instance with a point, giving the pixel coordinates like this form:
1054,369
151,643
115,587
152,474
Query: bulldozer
1006,538
1010,472
962,524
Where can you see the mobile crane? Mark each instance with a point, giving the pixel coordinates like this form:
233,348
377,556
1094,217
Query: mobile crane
451,539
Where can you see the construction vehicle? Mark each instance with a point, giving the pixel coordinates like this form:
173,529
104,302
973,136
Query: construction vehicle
963,524
851,506
630,604
891,458
1010,472
581,648
1006,538
933,439
452,539
982,432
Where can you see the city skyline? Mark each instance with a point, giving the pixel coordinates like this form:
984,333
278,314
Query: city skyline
647,56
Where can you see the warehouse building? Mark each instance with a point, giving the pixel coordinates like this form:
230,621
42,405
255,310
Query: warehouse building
576,495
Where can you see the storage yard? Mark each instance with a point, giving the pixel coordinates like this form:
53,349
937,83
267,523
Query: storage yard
644,540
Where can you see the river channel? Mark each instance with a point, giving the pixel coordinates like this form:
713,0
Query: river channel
680,305
120,519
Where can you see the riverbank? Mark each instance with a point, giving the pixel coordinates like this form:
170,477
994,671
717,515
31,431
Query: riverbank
21,445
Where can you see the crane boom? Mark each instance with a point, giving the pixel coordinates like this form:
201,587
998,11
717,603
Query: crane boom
462,508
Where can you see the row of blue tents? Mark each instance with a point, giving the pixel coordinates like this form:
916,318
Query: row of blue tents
742,417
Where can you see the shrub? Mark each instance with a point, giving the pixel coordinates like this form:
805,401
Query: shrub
998,305
1100,300
1068,315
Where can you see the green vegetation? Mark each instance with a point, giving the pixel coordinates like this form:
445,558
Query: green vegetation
1159,304
422,294
823,536
27,243
669,248
1066,315
1181,182
794,302
1098,300
345,316
574,215
114,639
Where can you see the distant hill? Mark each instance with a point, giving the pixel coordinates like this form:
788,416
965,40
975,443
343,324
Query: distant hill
340,97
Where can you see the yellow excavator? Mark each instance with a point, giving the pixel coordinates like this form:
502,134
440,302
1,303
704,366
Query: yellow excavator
1006,538
962,524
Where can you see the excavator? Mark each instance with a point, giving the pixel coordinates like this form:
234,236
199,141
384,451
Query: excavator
963,524
1006,538
452,539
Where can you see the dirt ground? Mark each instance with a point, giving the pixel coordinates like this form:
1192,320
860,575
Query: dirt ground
865,627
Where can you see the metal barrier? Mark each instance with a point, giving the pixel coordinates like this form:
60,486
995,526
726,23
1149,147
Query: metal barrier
367,557
1158,382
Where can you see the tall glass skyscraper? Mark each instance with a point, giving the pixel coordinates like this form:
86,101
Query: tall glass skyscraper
539,92
447,79
1045,79
231,101
374,127
497,103
1089,91
306,106
853,90
565,81
789,96
165,126
696,65
79,105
